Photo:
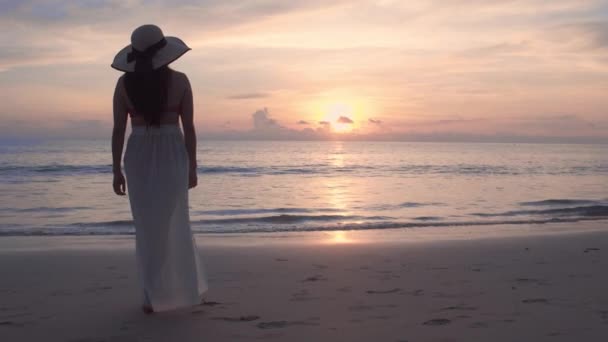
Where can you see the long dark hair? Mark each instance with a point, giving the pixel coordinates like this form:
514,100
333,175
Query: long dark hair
148,91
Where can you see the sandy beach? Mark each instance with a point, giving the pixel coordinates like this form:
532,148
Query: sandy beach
535,284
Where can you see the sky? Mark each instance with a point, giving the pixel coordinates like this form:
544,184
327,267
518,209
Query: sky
428,70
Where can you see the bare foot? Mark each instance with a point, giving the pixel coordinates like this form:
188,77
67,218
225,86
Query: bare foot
147,309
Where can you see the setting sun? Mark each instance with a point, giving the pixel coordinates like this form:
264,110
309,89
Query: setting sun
340,117
340,111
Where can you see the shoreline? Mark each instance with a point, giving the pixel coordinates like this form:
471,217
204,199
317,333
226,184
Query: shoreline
334,237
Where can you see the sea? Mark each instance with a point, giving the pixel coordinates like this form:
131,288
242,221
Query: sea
64,187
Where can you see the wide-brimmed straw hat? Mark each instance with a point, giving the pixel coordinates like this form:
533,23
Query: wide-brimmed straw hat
149,50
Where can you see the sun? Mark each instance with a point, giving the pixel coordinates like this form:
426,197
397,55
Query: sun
339,115
339,112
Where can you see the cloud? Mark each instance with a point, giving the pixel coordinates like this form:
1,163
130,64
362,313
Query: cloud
247,96
303,122
265,127
599,33
263,122
375,121
345,120
594,33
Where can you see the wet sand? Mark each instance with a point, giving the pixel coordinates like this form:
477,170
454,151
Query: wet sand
457,286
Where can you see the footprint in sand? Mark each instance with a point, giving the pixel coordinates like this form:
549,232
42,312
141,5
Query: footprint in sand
280,259
457,295
314,278
603,314
478,325
459,308
438,268
416,293
385,276
591,249
363,307
395,290
247,318
320,266
437,322
284,324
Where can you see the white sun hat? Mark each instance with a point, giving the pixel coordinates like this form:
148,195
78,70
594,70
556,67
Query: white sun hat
149,50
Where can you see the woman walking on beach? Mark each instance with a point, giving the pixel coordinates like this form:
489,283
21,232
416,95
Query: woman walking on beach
160,167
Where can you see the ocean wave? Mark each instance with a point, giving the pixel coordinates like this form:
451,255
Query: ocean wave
229,169
404,205
428,218
238,212
54,169
271,219
581,211
116,223
319,169
398,225
121,228
43,209
561,202
287,219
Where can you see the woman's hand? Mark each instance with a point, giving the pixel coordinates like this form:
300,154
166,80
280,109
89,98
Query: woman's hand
119,183
192,177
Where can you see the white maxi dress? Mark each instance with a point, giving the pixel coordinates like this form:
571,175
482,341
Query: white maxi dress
169,266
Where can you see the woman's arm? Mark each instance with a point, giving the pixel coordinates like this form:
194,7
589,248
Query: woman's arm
187,113
118,138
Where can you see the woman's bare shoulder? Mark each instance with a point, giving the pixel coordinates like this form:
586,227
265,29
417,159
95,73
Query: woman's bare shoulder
181,78
120,85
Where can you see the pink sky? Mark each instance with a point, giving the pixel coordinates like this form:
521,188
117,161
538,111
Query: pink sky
424,70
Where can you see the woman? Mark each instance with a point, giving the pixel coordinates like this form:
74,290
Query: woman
160,165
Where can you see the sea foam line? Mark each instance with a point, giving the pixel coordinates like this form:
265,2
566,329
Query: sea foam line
127,229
